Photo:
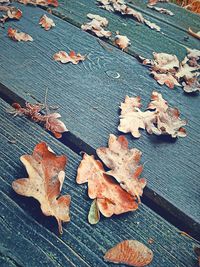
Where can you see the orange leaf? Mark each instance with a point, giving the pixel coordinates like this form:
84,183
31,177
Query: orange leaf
46,22
46,177
110,197
123,163
19,36
122,41
64,58
130,252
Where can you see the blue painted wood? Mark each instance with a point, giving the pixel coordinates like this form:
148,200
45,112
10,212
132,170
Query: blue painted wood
28,238
172,39
89,92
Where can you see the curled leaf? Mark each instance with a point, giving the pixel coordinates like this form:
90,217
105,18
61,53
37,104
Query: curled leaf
46,23
122,41
94,214
110,197
19,36
46,176
130,252
124,164
64,58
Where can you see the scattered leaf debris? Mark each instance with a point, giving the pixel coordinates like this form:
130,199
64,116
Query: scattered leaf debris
53,3
130,252
166,69
110,197
122,41
19,36
121,7
50,121
46,177
46,22
64,58
97,25
159,118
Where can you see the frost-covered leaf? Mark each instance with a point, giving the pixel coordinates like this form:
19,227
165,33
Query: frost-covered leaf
164,62
124,164
158,103
64,58
46,22
161,10
19,36
110,197
46,177
122,41
97,25
165,78
130,252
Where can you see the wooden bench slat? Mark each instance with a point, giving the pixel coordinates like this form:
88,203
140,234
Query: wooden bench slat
89,97
32,235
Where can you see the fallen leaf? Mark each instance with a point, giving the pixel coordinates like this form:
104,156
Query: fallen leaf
167,79
96,25
191,85
121,7
130,252
39,2
161,10
94,214
110,197
159,118
12,13
64,58
164,62
124,165
46,23
122,41
19,36
46,177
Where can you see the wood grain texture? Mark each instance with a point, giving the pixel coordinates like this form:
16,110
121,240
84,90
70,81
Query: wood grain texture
89,95
144,41
28,238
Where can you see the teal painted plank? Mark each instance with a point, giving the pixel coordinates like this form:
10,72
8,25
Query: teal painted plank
88,93
24,226
144,41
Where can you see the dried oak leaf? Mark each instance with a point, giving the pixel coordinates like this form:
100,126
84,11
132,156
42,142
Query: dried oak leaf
132,118
161,10
165,78
46,177
124,165
53,3
46,22
122,41
110,197
19,36
96,25
64,58
130,252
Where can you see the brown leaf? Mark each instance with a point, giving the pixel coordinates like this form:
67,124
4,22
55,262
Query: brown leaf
64,58
19,36
46,23
110,197
97,25
46,177
130,252
122,41
124,164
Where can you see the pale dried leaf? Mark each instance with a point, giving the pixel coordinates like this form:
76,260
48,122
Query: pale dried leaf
46,175
161,10
165,78
193,53
64,58
46,22
110,197
191,85
130,252
94,214
194,34
122,41
152,25
19,36
124,164
39,2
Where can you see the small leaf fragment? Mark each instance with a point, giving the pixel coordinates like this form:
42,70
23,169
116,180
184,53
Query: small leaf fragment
53,3
94,214
19,36
130,252
46,22
64,58
122,41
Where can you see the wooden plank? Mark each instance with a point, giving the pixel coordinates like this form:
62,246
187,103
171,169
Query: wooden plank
89,93
30,238
144,41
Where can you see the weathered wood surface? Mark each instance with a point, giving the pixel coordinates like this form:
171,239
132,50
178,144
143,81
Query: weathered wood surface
144,41
89,96
28,238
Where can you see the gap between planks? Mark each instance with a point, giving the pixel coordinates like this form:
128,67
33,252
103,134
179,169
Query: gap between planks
151,199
